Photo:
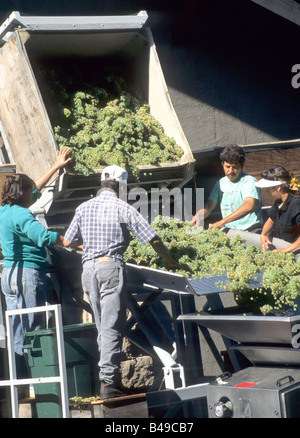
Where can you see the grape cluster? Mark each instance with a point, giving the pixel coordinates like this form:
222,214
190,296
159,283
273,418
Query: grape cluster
111,124
206,253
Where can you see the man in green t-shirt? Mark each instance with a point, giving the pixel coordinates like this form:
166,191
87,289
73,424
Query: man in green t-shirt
239,199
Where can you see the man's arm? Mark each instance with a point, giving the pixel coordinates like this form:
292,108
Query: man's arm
61,241
61,161
203,213
248,206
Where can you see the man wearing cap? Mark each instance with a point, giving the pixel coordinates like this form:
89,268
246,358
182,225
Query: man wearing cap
239,200
103,224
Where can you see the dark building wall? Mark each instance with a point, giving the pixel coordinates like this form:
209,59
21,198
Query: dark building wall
227,64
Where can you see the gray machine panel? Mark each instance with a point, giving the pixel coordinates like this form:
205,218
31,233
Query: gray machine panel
256,392
249,329
261,355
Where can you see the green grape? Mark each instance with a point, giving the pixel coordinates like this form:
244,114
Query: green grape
207,253
110,124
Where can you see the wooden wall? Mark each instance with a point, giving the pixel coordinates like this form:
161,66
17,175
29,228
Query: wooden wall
257,161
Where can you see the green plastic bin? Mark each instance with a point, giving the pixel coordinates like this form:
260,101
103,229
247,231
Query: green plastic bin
82,357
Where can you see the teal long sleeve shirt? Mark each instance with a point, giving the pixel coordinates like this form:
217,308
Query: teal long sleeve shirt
23,238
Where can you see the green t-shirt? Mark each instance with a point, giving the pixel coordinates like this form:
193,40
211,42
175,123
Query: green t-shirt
230,195
23,238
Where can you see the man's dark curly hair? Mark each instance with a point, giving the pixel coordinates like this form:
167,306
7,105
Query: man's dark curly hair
233,153
14,187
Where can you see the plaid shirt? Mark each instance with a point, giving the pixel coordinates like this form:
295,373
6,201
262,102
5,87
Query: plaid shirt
104,224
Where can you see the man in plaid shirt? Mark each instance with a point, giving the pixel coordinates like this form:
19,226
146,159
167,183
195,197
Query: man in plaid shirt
103,225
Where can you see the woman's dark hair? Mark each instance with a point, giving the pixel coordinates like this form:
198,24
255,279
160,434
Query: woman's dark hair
233,153
277,173
14,187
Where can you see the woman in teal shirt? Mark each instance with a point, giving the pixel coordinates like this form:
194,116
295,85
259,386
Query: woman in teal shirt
24,240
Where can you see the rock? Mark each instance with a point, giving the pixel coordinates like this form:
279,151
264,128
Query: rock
137,373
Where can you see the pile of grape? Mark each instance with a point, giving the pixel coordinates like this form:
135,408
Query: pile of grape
111,124
206,253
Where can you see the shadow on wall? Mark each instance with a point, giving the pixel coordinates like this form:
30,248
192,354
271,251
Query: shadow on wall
237,57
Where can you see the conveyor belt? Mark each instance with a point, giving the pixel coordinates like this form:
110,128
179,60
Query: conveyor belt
217,284
177,283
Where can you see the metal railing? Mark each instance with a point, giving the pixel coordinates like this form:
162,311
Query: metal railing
61,378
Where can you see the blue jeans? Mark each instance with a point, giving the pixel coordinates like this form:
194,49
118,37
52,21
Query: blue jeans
23,288
105,286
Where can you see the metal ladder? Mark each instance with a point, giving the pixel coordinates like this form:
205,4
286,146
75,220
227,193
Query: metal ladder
13,382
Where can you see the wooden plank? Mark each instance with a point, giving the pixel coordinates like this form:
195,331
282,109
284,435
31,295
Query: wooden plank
20,113
128,406
111,401
128,410
265,159
258,161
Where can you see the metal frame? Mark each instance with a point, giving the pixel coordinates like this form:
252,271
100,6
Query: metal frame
69,23
13,382
209,288
191,399
148,287
170,367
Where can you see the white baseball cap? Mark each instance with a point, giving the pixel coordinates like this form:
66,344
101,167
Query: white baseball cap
114,173
264,183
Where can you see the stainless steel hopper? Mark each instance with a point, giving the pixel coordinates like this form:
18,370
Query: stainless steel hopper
263,340
261,355
249,329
